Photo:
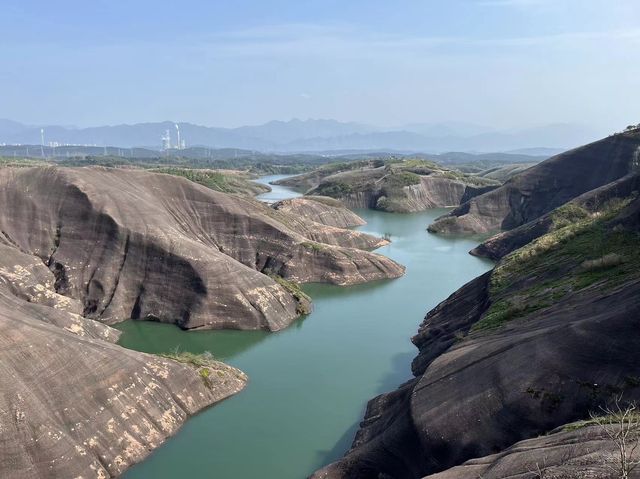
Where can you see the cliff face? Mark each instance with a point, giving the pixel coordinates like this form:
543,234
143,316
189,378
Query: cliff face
541,341
402,187
73,403
134,244
584,205
321,209
546,186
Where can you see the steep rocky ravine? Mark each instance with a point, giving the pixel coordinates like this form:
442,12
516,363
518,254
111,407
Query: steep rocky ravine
544,339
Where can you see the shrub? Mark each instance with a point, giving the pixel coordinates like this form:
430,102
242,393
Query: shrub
607,261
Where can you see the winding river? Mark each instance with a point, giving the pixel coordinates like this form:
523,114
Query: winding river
309,384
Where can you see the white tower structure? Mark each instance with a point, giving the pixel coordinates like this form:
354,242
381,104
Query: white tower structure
166,140
179,144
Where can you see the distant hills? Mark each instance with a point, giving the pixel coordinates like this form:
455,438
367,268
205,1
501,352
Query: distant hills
313,136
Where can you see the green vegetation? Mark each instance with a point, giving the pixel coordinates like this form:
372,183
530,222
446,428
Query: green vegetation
312,245
581,250
472,180
503,311
225,182
402,179
334,189
304,301
568,215
20,162
203,362
211,179
196,360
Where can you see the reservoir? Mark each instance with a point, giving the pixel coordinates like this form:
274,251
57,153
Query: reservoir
309,384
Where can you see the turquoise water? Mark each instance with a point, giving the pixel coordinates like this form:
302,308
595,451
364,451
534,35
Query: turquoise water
277,193
309,384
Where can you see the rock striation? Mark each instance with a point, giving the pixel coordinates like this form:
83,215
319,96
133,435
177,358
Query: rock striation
573,452
321,209
542,188
589,203
402,187
73,403
544,339
135,244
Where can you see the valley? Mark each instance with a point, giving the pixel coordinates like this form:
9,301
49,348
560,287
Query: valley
310,382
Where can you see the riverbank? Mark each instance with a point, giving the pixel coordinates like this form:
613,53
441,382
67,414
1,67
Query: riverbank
309,383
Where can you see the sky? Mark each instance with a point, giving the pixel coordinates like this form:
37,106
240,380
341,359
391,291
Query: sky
500,63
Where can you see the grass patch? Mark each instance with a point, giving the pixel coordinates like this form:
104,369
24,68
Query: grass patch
568,215
202,362
581,250
303,300
506,310
185,357
215,180
336,189
312,245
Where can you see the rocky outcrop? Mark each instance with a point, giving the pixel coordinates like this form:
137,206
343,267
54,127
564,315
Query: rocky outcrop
225,181
321,209
504,172
73,403
541,341
569,453
135,244
590,203
402,187
546,186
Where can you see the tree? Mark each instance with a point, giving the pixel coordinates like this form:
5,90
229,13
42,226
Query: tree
621,424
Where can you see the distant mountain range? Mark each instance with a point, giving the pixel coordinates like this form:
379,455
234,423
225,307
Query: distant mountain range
313,136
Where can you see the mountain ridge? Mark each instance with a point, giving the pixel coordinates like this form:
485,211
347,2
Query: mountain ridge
307,135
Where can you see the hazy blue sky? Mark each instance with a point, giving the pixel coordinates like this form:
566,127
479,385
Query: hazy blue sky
225,63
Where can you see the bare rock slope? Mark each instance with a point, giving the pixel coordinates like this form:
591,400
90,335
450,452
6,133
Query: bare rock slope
394,186
321,209
572,452
134,244
539,342
402,187
74,404
550,184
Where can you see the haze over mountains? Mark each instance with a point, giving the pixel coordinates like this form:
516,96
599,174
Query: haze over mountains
314,135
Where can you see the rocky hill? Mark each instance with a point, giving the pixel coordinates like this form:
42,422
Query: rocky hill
84,247
397,186
545,339
73,403
225,181
322,209
135,244
546,186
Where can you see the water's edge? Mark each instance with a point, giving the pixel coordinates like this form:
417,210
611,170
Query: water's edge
309,384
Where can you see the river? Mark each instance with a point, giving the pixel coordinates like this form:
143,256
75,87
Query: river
309,384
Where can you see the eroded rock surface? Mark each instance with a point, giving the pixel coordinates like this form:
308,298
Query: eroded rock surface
586,452
547,337
402,187
321,209
540,189
590,203
73,403
134,244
